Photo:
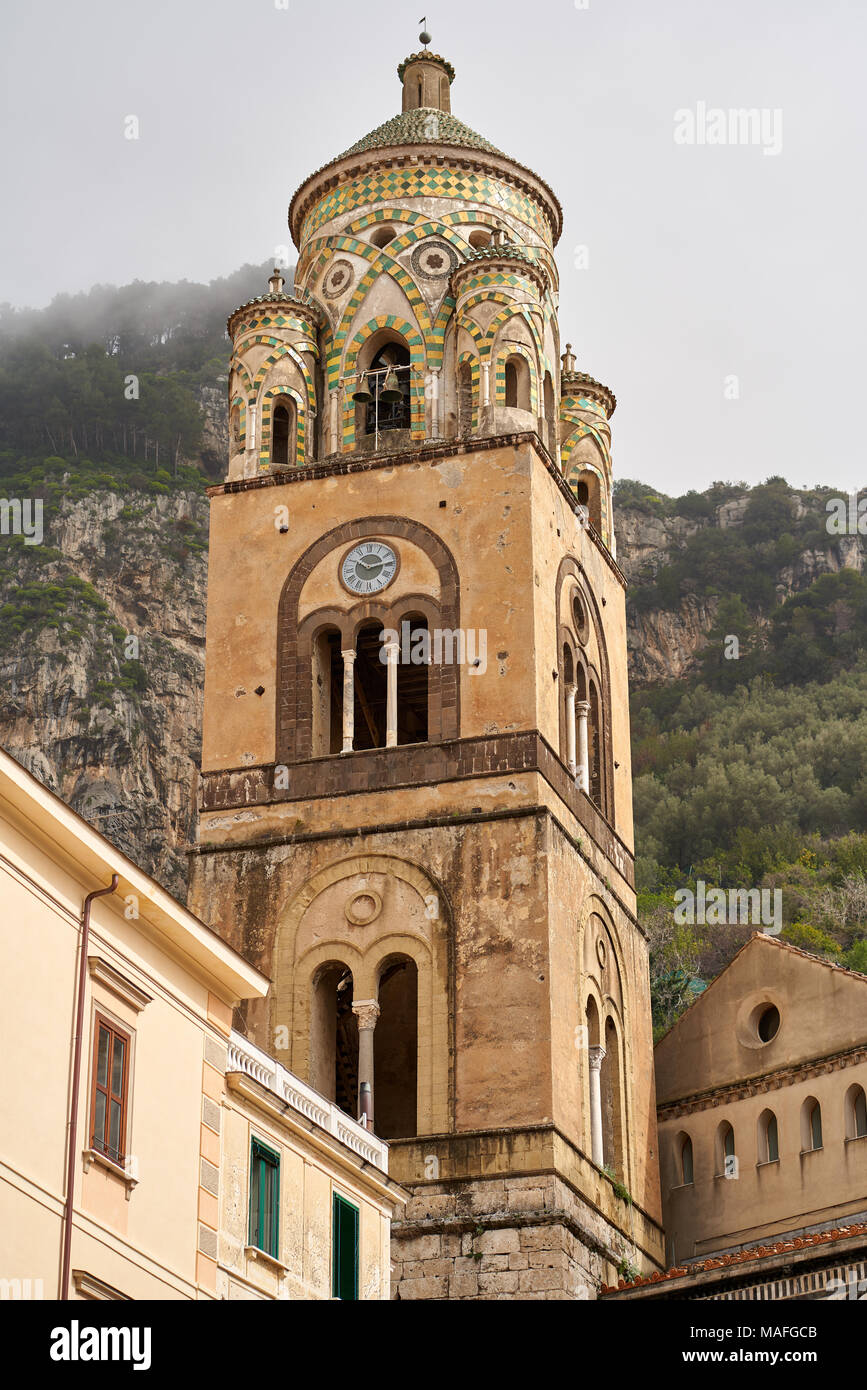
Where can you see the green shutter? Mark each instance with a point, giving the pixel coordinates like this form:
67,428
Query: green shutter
264,1199
344,1249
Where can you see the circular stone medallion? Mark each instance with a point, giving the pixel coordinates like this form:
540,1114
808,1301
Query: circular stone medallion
338,279
363,908
433,260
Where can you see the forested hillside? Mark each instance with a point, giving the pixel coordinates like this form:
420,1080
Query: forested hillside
747,628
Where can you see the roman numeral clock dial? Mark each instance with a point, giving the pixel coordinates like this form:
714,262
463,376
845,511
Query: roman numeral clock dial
368,567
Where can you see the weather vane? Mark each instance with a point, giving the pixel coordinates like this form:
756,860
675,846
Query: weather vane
424,36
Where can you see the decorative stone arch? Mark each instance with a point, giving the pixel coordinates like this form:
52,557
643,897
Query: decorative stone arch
286,350
609,1009
384,265
239,366
414,341
237,441
527,312
468,410
265,417
506,351
389,615
293,973
570,567
294,712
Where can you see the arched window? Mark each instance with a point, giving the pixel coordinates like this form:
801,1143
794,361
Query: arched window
612,1101
281,436
235,418
769,1143
465,400
371,688
550,418
395,1050
517,382
327,693
685,1159
413,669
334,1037
594,743
588,492
389,384
856,1113
811,1124
382,236
725,1151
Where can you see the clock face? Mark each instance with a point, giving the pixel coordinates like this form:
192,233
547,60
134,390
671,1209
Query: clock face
368,567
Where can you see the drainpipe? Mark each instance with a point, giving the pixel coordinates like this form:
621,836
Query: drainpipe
76,1082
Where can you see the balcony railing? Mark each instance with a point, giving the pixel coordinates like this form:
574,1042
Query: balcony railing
244,1056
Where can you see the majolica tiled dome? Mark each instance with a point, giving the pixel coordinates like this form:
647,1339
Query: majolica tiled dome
417,127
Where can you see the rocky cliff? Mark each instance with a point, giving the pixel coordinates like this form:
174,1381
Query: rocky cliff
102,643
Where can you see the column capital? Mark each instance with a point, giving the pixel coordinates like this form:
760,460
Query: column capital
349,654
595,1054
367,1012
582,707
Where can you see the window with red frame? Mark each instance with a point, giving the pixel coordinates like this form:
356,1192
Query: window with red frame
109,1094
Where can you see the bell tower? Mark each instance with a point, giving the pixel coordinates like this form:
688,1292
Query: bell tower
415,797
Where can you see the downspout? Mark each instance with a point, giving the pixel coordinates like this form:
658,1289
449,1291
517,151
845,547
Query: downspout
76,1082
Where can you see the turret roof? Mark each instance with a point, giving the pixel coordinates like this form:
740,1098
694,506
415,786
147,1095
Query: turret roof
414,128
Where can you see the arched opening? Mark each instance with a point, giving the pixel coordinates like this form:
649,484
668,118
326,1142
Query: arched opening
334,1037
550,418
517,382
371,688
769,1023
465,400
856,1112
444,94
612,1125
587,491
395,1050
282,419
594,745
327,728
235,427
685,1165
479,238
413,669
381,236
725,1151
811,1125
769,1139
389,384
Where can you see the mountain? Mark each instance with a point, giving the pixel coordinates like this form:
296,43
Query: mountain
747,627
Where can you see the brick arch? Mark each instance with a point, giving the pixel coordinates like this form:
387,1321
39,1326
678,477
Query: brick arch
572,567
294,670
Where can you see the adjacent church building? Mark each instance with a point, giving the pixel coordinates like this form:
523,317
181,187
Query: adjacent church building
416,802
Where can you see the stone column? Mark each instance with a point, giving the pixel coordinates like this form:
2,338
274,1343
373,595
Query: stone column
348,700
251,462
595,1056
333,417
486,383
367,1012
392,651
570,727
583,709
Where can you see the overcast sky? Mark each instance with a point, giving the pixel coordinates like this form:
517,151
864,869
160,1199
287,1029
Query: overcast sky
723,295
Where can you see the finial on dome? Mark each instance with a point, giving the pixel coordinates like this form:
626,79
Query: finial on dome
568,360
276,282
424,37
426,79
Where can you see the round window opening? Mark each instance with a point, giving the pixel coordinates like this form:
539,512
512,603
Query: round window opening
579,618
769,1023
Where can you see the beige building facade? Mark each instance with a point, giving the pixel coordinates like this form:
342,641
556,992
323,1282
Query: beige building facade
415,801
762,1089
168,1101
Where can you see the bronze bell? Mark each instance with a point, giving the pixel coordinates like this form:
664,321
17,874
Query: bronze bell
391,392
363,394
